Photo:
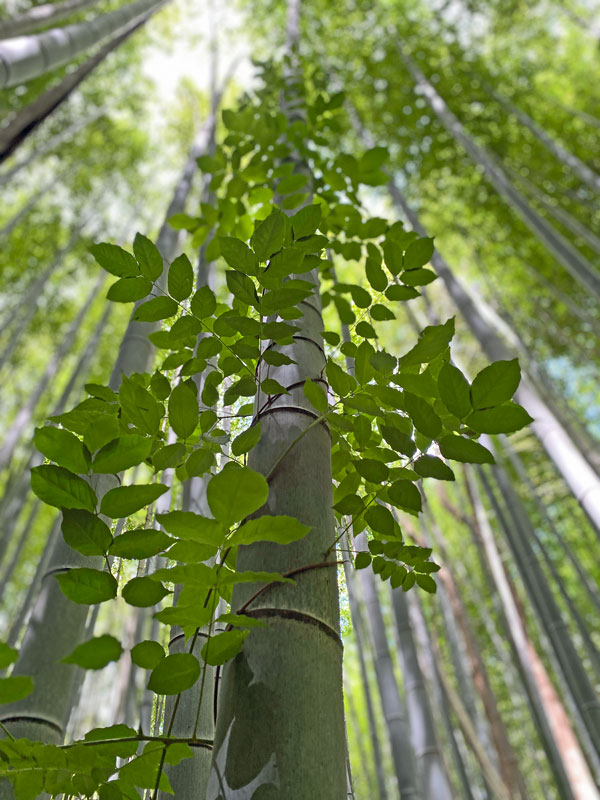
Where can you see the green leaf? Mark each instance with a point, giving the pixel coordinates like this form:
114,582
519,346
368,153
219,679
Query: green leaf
507,418
143,592
238,255
495,384
85,532
306,221
203,303
272,387
375,275
316,395
433,341
101,392
380,519
148,654
418,277
156,309
365,330
362,560
392,253
433,467
62,446
188,525
424,418
246,440
459,448
383,362
223,647
398,441
15,688
180,279
139,407
418,253
183,410
112,732
199,463
277,300
276,359
140,543
148,257
174,674
404,494
372,470
454,390
8,655
115,260
292,183
171,455
426,582
269,235
58,487
87,586
284,263
400,293
236,492
280,529
242,287
381,313
128,290
122,453
341,382
126,500
95,653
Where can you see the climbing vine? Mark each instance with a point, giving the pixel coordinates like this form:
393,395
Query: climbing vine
281,230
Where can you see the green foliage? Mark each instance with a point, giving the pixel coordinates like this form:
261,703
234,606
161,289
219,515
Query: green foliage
390,419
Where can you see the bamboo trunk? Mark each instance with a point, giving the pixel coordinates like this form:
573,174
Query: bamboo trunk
296,735
25,414
26,121
519,535
28,304
430,764
568,159
27,57
573,780
358,625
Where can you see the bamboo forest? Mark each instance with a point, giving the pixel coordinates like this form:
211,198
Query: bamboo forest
300,431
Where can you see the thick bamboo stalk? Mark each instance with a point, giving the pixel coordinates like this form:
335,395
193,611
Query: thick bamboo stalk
570,258
579,476
300,645
42,16
27,57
